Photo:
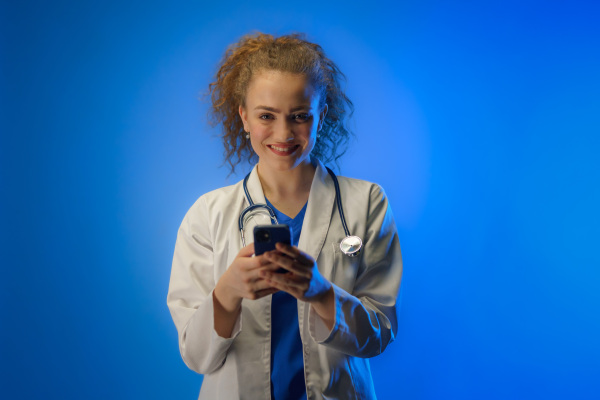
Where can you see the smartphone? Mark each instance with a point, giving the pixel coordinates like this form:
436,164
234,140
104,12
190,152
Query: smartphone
265,237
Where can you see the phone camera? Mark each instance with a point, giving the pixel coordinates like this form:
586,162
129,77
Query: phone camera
262,236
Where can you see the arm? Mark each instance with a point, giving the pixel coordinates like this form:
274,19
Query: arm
241,280
208,314
365,319
190,297
361,323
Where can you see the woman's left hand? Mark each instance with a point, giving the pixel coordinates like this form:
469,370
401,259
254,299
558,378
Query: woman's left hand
303,280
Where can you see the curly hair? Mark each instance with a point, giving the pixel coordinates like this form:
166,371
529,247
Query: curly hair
289,53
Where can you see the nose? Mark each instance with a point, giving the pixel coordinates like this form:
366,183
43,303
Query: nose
284,131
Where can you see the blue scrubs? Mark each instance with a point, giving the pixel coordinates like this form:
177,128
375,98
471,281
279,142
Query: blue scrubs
287,363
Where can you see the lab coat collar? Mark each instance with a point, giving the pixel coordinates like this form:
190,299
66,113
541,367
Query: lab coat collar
318,212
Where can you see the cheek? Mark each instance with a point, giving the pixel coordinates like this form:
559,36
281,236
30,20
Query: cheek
258,134
255,144
311,139
313,132
259,131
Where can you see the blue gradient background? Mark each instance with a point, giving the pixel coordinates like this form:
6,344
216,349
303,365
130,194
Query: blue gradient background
480,119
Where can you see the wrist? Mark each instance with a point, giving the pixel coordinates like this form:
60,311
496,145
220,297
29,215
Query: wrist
229,303
324,306
225,312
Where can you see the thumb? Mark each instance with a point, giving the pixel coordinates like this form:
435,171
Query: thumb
247,251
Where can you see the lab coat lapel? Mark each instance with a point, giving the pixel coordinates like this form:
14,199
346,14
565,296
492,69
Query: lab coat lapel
318,212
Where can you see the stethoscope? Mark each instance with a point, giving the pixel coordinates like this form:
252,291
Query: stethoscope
350,245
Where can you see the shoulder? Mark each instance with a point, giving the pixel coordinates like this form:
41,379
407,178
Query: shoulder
214,201
353,187
221,195
364,197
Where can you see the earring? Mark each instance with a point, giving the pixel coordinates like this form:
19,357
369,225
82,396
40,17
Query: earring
247,135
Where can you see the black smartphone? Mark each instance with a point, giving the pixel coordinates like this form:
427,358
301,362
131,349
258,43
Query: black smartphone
265,237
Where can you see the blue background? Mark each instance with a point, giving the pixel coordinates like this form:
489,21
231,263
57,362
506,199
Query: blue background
480,119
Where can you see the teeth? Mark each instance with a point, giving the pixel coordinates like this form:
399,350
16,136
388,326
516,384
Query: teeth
288,149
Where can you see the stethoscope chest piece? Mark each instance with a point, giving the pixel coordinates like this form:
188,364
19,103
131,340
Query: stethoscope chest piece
351,246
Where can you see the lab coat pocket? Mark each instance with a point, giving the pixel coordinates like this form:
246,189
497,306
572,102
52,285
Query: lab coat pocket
344,268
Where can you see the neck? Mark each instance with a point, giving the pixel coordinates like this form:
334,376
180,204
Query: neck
287,190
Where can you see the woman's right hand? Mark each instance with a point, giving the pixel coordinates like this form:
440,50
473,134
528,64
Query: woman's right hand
242,281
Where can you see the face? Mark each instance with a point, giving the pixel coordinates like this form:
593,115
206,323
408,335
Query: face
283,117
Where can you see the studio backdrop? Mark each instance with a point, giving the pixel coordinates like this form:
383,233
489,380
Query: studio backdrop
480,119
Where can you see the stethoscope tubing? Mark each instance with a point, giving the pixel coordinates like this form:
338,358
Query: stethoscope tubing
338,198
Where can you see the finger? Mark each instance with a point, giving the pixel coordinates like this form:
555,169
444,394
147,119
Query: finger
288,250
252,263
289,264
272,267
247,251
252,285
260,285
266,292
262,260
251,276
295,253
286,283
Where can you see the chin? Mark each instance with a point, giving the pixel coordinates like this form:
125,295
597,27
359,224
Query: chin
281,165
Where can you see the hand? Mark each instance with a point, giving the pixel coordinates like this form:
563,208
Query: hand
303,279
242,280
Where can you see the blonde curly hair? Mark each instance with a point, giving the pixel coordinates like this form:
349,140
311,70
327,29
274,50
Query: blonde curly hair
289,53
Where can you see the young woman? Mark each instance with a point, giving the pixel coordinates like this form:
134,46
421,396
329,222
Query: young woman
253,331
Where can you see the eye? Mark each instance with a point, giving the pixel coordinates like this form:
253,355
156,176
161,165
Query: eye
301,117
266,116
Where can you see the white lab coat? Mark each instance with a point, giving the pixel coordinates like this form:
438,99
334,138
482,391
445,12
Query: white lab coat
365,287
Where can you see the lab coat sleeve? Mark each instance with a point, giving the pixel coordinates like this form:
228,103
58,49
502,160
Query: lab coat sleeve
190,298
366,320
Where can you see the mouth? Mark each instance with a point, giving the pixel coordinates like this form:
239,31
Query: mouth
283,149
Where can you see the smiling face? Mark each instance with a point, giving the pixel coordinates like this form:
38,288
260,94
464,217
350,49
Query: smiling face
283,117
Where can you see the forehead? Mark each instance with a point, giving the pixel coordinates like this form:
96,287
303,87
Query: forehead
269,86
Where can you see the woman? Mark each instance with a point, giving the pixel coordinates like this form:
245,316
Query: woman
256,333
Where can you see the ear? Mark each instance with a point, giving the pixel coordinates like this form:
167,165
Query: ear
244,117
322,116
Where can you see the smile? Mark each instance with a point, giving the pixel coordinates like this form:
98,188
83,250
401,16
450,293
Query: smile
283,150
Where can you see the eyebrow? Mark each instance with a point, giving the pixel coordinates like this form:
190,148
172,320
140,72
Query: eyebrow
272,109
266,108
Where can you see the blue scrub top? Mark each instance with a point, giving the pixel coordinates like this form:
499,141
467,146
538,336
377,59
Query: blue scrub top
287,363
